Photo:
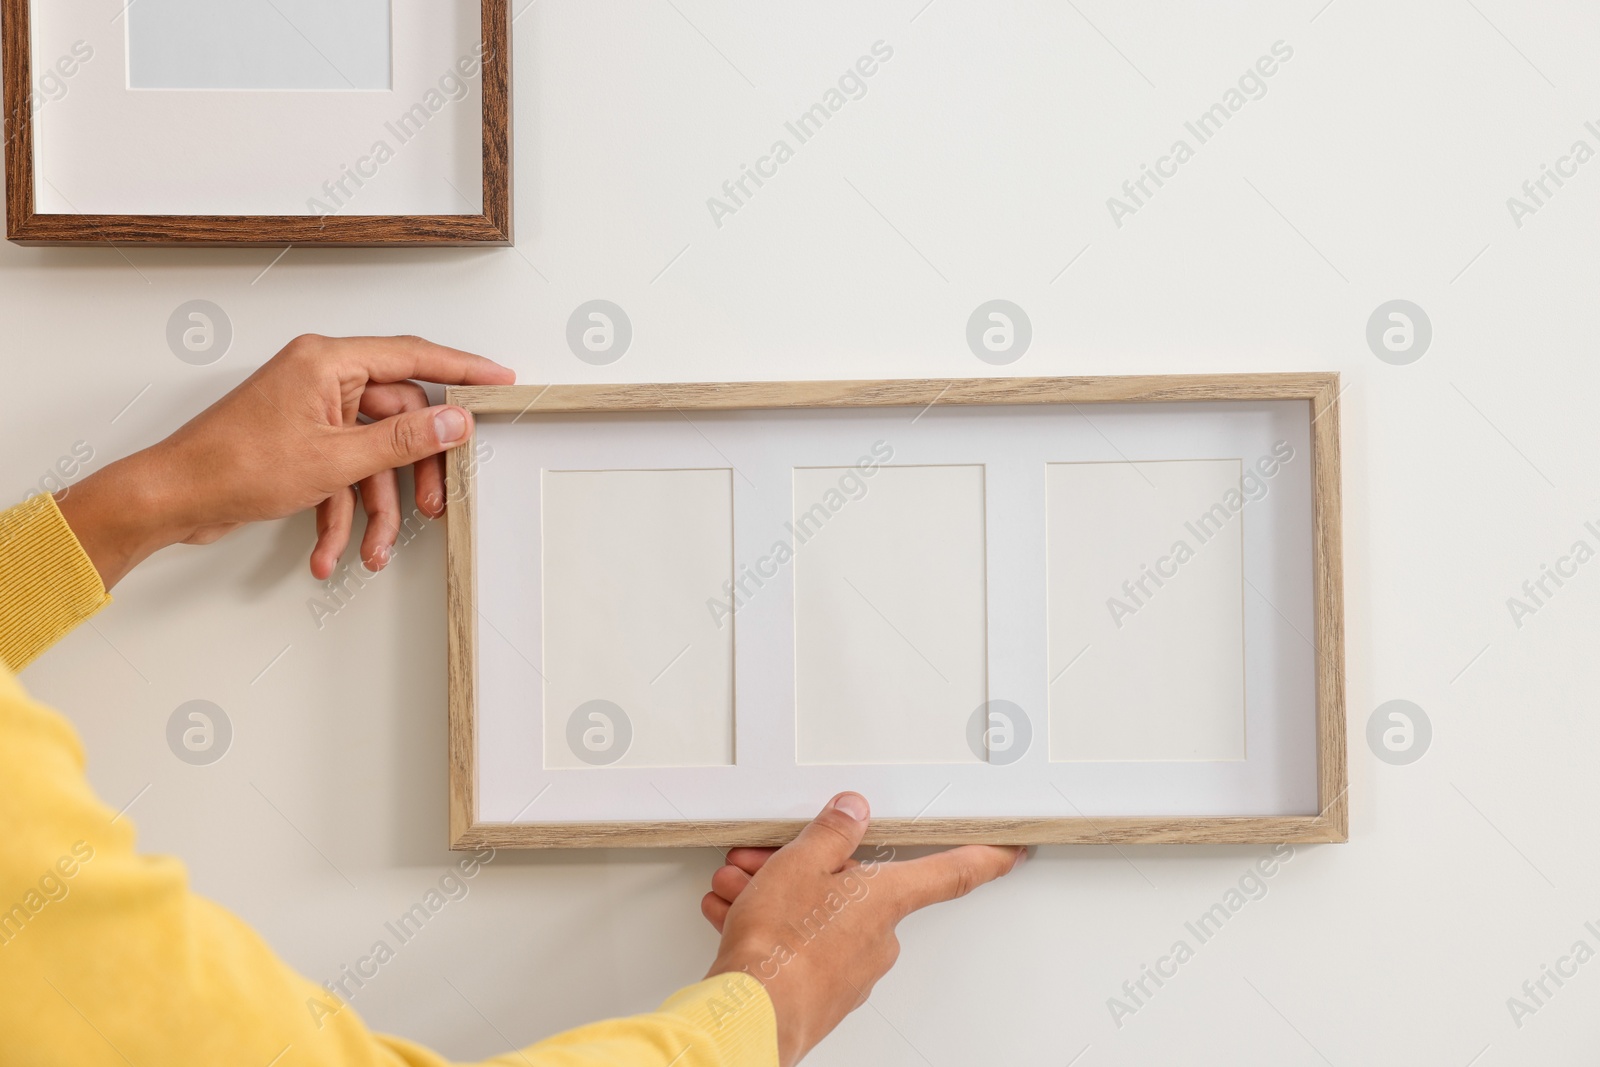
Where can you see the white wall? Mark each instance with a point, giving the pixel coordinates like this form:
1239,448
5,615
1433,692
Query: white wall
1376,167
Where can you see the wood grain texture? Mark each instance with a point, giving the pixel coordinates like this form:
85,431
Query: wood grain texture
1036,831
1327,560
24,225
257,231
1319,390
496,95
722,396
16,76
461,612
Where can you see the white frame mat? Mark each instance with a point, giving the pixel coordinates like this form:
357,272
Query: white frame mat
103,148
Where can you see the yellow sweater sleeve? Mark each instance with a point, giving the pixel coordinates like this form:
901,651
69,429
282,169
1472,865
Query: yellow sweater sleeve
106,957
47,584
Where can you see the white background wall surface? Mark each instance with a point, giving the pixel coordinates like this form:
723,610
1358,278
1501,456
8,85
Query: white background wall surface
1377,166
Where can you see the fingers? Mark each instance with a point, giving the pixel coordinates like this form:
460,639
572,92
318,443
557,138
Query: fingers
395,359
830,838
386,400
334,517
380,400
948,875
429,486
715,909
403,439
728,882
750,860
380,497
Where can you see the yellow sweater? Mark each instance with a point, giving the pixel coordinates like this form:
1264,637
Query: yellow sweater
106,957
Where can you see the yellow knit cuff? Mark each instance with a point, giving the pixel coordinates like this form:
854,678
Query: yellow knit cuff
736,1013
47,584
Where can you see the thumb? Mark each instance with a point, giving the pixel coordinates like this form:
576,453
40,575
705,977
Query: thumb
404,439
830,838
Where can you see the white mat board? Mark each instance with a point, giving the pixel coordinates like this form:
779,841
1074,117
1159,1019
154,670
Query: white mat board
625,618
1145,593
1014,444
104,147
891,649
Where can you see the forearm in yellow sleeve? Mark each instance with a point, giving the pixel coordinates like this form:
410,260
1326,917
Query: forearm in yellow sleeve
47,584
106,957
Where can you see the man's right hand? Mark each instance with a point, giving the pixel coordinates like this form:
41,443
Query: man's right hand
816,928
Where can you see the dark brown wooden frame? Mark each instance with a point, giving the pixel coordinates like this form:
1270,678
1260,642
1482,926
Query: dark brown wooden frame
25,225
1319,390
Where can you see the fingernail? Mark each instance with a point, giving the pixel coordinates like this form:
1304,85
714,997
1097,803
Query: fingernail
449,425
853,805
1022,856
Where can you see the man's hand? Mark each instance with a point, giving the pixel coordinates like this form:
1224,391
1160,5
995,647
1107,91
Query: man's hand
285,440
816,928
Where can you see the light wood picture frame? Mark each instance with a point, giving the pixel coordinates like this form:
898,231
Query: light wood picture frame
27,225
1319,391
